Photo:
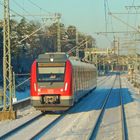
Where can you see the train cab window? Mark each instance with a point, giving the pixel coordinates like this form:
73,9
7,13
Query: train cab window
47,73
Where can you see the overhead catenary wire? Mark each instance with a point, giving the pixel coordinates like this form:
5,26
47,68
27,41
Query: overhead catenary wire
27,36
14,13
21,7
22,17
133,10
38,6
125,23
133,2
1,3
127,19
79,46
23,82
112,28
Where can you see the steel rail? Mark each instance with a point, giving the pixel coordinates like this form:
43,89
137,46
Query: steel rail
93,133
42,132
123,118
21,127
103,80
39,134
54,122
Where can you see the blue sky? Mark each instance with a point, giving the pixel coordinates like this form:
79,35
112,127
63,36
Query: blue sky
87,15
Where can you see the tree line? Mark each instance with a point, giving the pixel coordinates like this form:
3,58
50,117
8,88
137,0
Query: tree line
25,51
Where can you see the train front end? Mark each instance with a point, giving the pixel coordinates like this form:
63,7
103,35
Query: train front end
51,88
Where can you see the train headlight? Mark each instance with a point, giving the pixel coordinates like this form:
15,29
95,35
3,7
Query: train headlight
61,89
51,59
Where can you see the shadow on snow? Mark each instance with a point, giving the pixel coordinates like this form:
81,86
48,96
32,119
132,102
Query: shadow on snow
94,100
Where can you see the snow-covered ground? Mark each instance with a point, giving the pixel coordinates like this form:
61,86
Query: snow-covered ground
23,94
22,116
78,123
132,110
19,95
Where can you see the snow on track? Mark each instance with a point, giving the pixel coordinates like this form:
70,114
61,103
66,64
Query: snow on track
23,116
78,123
132,111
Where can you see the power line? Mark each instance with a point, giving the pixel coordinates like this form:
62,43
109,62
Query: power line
111,18
105,15
38,6
117,32
55,16
133,2
128,13
20,6
83,42
12,10
130,26
16,13
108,5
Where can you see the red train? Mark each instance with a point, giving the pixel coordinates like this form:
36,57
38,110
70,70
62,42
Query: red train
58,81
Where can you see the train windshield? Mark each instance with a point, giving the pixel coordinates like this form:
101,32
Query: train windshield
51,72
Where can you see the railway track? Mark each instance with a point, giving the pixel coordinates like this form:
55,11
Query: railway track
124,134
19,131
47,128
99,83
94,131
21,127
123,118
37,124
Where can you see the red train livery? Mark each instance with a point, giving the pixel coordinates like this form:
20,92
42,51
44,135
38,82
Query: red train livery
58,81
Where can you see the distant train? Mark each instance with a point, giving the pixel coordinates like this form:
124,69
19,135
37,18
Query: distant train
58,81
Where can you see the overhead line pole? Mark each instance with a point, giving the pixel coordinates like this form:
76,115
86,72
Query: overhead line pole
58,34
7,80
7,112
77,43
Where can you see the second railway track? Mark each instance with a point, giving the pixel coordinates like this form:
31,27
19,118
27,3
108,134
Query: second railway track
96,133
